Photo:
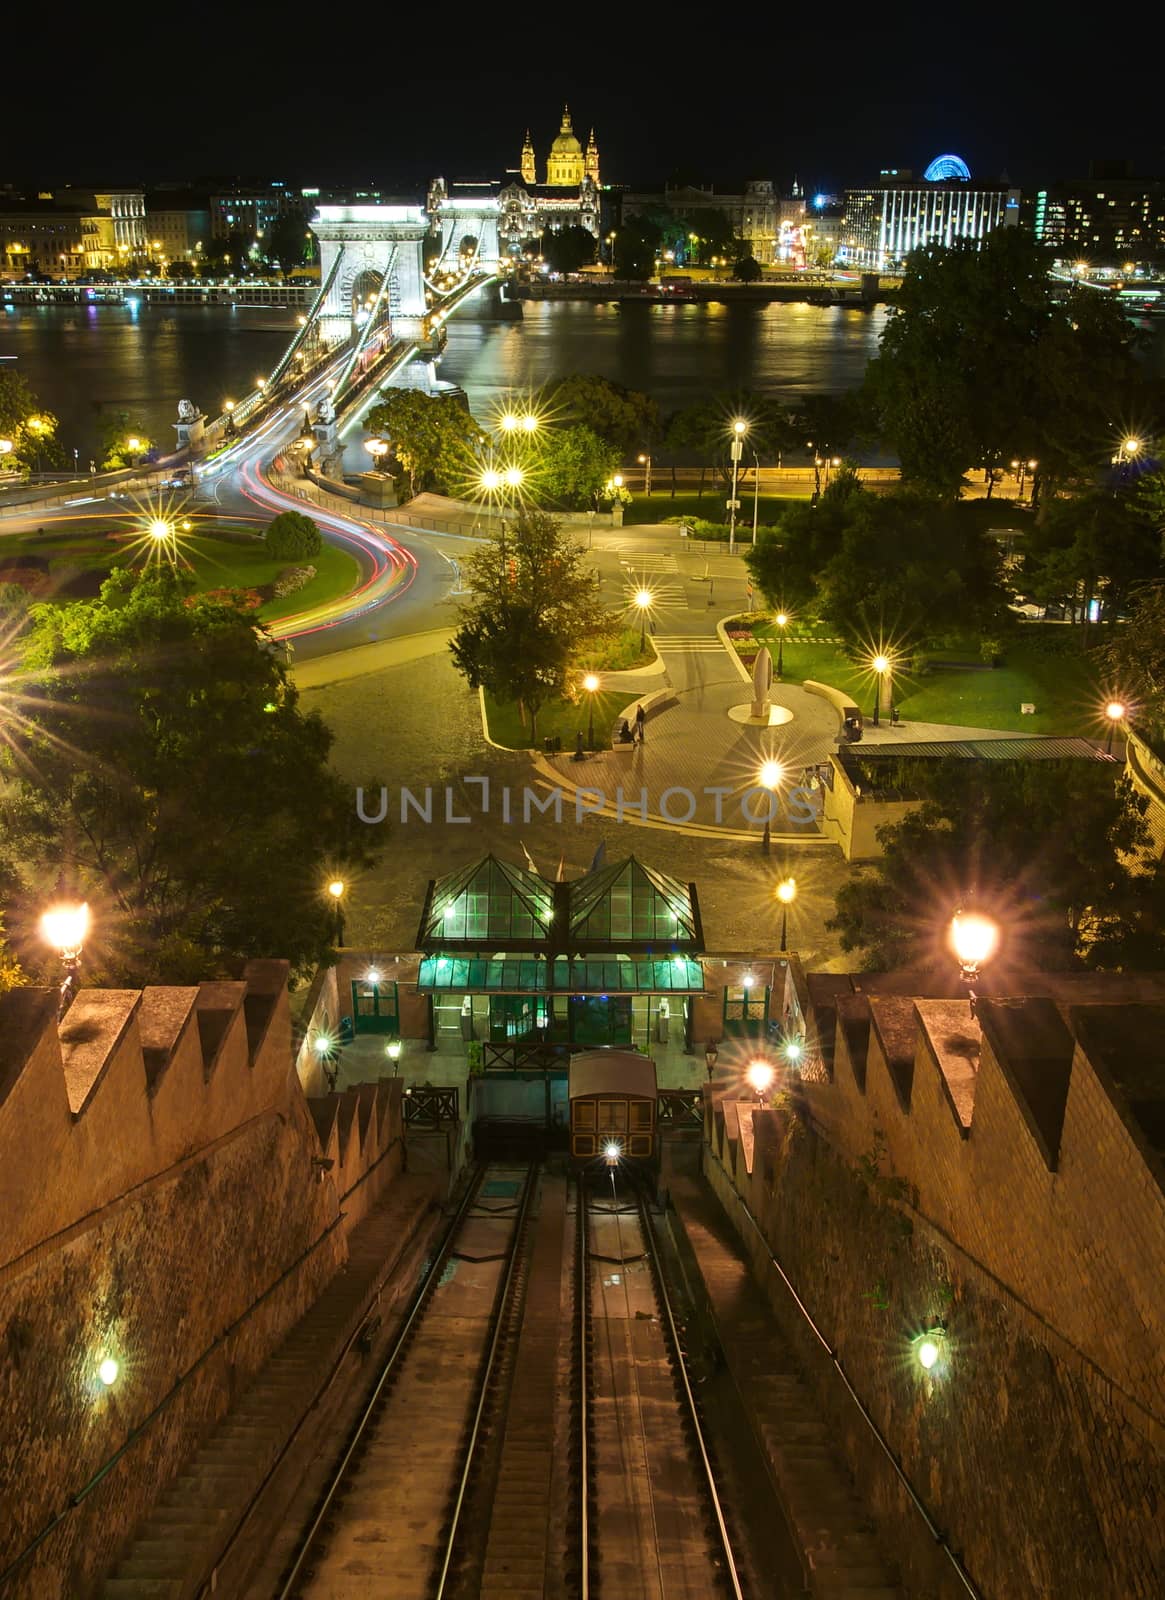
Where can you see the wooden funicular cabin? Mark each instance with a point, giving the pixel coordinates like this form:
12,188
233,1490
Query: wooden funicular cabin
534,970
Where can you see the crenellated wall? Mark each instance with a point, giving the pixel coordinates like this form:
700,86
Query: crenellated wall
1001,1172
167,1203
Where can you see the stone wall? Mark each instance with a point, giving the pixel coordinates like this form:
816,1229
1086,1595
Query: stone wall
168,1205
1006,1182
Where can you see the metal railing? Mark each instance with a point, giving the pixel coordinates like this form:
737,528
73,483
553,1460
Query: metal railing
680,1108
427,1107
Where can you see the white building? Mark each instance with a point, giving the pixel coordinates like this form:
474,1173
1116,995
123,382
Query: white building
886,221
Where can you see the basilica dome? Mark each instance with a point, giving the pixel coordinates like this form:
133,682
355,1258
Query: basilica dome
566,166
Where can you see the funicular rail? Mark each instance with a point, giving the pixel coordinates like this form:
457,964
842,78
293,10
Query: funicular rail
636,1452
379,1493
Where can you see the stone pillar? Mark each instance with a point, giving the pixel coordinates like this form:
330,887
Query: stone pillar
408,320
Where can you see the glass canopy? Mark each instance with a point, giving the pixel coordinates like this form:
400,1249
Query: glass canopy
628,903
491,903
535,975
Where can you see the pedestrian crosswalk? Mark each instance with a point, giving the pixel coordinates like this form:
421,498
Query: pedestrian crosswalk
700,643
666,594
645,571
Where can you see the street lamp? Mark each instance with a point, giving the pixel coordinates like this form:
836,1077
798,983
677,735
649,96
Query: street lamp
377,449
973,939
759,1076
881,665
643,601
739,429
65,927
645,462
786,894
591,684
770,776
1115,712
337,888
782,621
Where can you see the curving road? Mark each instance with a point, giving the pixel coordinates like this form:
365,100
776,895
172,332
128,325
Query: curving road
404,577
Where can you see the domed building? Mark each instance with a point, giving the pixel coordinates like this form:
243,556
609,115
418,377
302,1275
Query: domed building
569,198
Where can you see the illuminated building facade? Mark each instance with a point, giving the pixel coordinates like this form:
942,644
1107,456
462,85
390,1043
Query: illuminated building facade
569,198
756,215
886,221
1109,218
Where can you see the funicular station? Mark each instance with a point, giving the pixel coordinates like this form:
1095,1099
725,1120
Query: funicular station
515,976
536,973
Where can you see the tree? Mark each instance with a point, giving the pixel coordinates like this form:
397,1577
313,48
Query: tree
1134,659
434,438
624,418
747,270
198,815
292,536
635,248
534,609
1044,846
704,430
124,440
981,362
287,239
894,566
575,466
30,429
715,235
568,249
1095,547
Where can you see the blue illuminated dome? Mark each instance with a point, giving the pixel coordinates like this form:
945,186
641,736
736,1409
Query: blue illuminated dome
945,167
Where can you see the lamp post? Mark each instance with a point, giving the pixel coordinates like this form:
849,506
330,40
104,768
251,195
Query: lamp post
645,463
65,927
974,939
770,776
337,888
755,493
1115,712
782,621
643,601
885,689
786,894
591,684
377,449
739,429
759,1076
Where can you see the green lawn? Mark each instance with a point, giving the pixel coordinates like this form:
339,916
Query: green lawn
561,718
221,554
621,654
1063,688
711,506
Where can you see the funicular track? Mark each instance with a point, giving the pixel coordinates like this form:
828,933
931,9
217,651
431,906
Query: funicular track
650,1523
391,1518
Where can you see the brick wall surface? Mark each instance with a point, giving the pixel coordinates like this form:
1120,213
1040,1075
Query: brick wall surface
1014,1446
153,1283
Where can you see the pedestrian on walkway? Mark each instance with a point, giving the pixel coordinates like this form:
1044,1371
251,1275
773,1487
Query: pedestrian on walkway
640,722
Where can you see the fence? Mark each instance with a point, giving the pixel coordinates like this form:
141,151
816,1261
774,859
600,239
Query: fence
426,1107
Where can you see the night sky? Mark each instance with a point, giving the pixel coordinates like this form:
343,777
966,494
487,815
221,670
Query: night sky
709,94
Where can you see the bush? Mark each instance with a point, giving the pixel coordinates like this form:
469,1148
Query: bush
991,651
292,579
292,536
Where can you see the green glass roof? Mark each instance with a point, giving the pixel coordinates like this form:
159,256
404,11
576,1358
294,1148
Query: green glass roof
481,975
489,902
534,975
630,902
675,974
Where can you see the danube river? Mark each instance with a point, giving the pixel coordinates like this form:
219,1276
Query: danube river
80,360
